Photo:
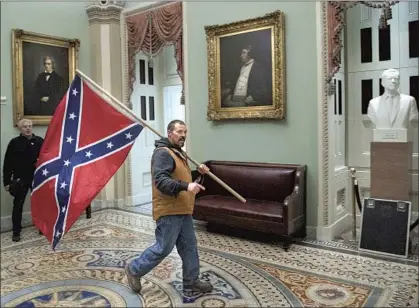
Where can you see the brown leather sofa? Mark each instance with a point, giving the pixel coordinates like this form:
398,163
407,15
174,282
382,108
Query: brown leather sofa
275,194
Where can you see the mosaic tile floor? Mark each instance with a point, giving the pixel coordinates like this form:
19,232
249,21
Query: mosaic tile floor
87,271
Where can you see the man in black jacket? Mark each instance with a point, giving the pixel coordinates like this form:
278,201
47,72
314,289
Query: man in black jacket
18,170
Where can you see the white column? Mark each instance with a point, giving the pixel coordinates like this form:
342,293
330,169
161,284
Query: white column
105,51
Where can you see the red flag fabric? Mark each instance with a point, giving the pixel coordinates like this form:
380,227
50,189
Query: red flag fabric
85,144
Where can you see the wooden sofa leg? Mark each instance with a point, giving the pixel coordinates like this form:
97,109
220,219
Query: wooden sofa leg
287,243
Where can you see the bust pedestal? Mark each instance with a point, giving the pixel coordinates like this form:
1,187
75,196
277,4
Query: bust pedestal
391,164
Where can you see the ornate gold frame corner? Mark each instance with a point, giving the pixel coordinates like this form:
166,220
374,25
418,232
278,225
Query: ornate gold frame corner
18,37
213,34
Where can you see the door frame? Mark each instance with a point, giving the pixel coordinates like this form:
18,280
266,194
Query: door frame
325,167
141,7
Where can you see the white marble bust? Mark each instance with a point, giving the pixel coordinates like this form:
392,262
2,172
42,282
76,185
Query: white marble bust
392,110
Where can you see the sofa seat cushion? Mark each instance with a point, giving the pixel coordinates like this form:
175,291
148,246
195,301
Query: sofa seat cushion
254,209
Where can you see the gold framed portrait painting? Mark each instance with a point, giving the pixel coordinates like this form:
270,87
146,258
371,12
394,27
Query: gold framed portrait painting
43,67
246,69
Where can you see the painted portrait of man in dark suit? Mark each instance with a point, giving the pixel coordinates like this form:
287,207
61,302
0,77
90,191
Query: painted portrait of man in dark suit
246,72
49,88
45,77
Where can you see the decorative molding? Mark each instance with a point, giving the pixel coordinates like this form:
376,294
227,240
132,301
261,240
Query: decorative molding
125,69
126,101
341,199
323,119
105,12
341,174
141,9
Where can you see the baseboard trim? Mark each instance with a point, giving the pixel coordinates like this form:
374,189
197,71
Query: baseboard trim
7,225
140,199
120,203
330,232
311,232
97,204
128,201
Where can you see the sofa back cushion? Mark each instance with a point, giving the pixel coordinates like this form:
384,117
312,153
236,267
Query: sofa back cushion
261,181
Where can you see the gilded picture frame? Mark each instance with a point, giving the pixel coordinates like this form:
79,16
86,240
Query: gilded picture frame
235,93
43,68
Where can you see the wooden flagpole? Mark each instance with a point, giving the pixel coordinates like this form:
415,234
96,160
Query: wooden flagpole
134,116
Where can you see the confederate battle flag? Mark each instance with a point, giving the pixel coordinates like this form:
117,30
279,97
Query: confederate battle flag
85,144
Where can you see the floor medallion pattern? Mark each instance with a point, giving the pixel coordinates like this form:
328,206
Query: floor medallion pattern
87,271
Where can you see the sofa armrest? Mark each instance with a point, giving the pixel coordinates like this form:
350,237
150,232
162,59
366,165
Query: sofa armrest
295,204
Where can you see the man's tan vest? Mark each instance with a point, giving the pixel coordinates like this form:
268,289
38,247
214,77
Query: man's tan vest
183,204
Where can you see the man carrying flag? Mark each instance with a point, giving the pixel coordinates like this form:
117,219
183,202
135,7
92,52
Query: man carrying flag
85,144
173,203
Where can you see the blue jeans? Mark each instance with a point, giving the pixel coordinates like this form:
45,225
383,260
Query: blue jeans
170,231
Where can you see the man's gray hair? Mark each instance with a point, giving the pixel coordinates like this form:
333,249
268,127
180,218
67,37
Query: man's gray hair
23,121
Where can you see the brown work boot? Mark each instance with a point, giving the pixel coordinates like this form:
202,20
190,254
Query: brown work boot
198,286
133,282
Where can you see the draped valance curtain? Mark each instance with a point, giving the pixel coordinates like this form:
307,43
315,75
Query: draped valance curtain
335,22
150,32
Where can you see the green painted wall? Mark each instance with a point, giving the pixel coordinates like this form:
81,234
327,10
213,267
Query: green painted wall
291,141
64,19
